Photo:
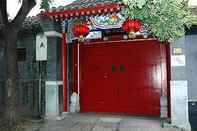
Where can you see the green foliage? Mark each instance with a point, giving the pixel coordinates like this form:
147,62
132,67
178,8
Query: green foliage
45,4
167,18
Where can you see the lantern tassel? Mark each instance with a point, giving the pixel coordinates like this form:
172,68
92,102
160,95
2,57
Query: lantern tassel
81,38
132,35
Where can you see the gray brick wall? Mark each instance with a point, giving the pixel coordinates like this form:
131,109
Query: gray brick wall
178,73
191,68
28,70
54,59
27,77
189,72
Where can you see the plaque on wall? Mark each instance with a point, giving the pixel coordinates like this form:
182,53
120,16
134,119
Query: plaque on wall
178,60
41,47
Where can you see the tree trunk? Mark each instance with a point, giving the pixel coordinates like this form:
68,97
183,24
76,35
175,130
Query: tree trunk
11,79
9,32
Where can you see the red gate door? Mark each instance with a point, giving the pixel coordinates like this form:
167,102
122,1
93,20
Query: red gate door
138,78
98,86
121,77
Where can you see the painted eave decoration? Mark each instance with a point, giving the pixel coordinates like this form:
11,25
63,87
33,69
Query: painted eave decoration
113,21
109,21
81,8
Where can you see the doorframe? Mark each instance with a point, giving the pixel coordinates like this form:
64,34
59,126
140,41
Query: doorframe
119,39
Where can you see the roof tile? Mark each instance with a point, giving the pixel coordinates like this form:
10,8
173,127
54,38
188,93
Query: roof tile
78,4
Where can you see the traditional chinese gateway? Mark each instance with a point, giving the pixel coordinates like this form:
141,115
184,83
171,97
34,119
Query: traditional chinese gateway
113,63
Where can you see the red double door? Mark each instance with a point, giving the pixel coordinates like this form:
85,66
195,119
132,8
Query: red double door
122,77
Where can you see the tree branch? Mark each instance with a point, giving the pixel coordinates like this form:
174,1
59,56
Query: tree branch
3,10
1,20
2,25
26,7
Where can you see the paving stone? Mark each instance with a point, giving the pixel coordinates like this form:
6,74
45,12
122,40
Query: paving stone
110,119
103,122
82,127
106,125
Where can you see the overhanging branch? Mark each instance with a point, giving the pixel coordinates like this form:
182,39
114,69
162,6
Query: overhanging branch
27,5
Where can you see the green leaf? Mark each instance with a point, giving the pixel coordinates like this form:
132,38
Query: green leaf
167,18
45,4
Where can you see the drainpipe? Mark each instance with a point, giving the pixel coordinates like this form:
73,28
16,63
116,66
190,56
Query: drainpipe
78,71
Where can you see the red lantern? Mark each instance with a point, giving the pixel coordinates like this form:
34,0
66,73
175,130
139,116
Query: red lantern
131,26
137,25
81,30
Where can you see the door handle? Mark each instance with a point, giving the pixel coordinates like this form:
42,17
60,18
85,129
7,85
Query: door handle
122,68
113,67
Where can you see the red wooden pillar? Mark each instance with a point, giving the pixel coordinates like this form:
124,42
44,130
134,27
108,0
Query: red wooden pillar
166,68
168,57
163,69
64,71
75,68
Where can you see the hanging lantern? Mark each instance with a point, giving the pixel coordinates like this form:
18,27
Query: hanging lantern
137,25
131,27
81,30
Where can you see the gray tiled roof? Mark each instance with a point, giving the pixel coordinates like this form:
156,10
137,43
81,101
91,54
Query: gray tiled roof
33,21
78,4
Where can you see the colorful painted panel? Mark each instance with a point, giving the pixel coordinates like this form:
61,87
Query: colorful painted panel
109,21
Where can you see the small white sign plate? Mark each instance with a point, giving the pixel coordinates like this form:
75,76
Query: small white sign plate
41,47
178,60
